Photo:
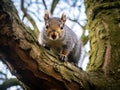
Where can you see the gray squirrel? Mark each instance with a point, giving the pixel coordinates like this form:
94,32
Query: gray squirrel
60,39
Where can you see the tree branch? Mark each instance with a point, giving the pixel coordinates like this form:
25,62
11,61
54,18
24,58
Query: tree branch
54,3
44,4
36,30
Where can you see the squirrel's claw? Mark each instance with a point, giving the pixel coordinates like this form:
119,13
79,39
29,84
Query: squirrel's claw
63,57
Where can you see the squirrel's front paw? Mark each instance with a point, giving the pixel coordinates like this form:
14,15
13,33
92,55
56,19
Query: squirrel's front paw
63,55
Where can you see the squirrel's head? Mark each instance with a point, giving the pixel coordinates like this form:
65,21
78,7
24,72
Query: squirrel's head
54,27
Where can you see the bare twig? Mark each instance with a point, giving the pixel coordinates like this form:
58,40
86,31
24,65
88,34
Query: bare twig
31,20
54,3
44,4
76,21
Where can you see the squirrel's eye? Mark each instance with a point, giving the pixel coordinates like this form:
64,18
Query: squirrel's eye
61,27
46,26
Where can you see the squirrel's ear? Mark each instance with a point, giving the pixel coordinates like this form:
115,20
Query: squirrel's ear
63,17
46,17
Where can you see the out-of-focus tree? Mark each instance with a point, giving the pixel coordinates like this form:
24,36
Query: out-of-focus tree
7,81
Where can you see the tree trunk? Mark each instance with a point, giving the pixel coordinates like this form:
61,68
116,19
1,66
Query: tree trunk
104,32
39,69
104,29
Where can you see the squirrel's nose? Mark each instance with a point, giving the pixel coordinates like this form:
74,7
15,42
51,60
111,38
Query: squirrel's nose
53,36
54,30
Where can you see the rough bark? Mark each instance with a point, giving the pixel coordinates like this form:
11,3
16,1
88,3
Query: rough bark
39,69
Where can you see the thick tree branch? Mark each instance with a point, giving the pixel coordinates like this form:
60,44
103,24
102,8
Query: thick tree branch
35,66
